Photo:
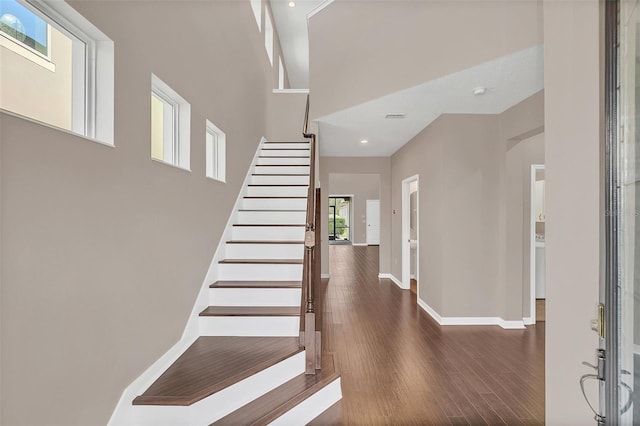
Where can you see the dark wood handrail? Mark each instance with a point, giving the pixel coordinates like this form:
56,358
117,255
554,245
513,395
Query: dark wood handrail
311,341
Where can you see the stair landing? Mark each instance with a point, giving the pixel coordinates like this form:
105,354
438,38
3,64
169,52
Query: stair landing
211,364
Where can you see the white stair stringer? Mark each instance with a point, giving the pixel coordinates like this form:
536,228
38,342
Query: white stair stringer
218,405
262,242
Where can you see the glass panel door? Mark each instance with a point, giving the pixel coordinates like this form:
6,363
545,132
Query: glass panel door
339,217
622,290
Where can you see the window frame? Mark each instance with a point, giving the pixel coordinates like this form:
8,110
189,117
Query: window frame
215,153
92,58
179,120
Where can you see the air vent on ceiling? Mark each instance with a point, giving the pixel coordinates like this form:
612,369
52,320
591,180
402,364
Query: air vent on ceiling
395,115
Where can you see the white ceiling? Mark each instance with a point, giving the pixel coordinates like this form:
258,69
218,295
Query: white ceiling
291,24
509,80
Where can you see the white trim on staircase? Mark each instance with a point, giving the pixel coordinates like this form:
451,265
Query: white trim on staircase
311,407
325,276
124,409
469,320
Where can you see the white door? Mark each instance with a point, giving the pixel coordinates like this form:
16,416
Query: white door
373,222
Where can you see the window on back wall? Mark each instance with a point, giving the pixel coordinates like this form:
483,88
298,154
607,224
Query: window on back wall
170,122
216,152
69,64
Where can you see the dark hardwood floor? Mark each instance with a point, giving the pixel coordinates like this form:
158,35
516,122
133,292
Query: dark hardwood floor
398,366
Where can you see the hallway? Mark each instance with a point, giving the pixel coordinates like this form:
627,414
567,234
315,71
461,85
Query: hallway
398,366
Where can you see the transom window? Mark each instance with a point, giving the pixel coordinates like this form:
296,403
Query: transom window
24,26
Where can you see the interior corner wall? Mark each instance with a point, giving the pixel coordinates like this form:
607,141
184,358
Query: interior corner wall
456,159
573,60
518,125
359,165
363,187
520,156
103,251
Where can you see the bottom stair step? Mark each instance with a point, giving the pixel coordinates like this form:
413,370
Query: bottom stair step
211,364
282,399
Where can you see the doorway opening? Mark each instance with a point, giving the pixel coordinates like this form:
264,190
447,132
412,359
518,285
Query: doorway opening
410,240
340,219
537,245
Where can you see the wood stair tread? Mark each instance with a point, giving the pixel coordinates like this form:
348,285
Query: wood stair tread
268,224
263,261
251,311
267,185
275,403
256,284
211,364
280,174
264,242
284,197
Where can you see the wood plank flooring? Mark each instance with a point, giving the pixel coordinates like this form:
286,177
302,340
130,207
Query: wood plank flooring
213,363
398,366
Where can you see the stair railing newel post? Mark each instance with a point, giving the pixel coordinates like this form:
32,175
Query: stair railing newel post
309,258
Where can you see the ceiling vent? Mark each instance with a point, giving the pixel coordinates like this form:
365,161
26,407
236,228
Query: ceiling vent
395,115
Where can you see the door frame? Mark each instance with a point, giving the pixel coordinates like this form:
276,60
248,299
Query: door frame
351,209
532,244
406,224
366,215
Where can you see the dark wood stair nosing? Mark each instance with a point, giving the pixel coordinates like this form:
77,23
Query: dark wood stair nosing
261,261
250,311
214,388
269,224
283,406
265,242
256,284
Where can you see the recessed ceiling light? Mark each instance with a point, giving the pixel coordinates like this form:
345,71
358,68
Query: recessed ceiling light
395,115
479,90
292,4
364,141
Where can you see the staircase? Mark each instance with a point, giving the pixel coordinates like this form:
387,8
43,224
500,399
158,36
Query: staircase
247,365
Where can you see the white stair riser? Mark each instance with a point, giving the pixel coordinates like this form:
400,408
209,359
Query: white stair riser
282,170
250,326
274,204
259,272
280,180
283,160
255,296
277,191
283,152
311,407
258,217
267,233
276,145
260,251
221,403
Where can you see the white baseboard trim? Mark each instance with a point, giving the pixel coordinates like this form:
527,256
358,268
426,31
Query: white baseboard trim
412,276
528,321
392,278
359,244
469,320
327,276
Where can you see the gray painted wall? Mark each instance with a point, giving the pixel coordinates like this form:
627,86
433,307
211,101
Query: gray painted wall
104,250
573,172
465,237
363,187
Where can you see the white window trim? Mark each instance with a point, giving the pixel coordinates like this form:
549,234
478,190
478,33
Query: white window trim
219,146
92,96
181,120
268,35
280,73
